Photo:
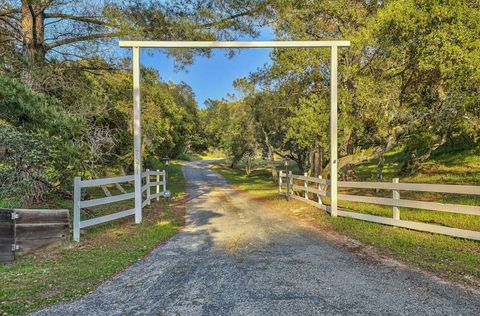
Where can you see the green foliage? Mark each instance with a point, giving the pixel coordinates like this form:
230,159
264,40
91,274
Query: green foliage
25,158
72,98
36,147
233,128
309,124
434,48
214,122
32,111
90,131
409,79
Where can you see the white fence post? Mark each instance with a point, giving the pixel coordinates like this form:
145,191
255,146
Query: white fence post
305,184
77,195
148,186
319,197
158,185
396,195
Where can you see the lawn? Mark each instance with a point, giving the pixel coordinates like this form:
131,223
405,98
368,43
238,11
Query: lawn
206,155
453,258
68,271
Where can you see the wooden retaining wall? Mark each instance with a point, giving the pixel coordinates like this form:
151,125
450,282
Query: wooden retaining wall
23,231
6,236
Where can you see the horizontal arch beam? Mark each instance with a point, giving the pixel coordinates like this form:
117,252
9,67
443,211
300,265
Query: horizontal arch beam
233,44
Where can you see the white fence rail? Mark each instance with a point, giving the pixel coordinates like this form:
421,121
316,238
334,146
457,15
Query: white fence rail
395,201
79,204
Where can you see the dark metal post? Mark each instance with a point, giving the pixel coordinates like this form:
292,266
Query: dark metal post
166,163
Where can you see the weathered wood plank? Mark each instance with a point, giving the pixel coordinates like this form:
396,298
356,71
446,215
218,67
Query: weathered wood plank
29,245
6,230
6,257
41,231
32,230
42,216
6,236
35,229
6,245
5,215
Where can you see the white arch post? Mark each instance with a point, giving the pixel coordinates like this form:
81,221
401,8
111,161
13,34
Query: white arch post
137,134
137,113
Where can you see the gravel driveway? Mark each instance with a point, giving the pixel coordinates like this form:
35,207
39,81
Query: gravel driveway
237,257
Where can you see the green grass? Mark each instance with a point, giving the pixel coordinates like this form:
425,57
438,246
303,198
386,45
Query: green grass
258,183
206,155
453,258
64,272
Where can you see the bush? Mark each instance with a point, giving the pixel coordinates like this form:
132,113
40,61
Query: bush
37,147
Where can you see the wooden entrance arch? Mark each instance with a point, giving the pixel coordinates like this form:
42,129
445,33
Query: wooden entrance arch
137,128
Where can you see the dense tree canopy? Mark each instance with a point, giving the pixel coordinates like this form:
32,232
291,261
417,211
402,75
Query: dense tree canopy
66,94
410,80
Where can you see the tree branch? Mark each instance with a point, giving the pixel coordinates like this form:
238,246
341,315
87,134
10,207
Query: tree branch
10,12
232,17
7,22
370,153
85,19
83,39
222,21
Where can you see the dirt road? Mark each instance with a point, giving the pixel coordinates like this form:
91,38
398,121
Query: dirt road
238,257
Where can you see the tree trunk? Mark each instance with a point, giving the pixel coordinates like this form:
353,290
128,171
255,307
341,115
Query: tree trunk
317,162
33,36
271,156
414,160
370,153
123,172
355,158
311,161
248,165
381,163
320,161
302,161
348,171
33,31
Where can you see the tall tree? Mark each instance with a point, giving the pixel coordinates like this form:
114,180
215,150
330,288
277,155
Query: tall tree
74,28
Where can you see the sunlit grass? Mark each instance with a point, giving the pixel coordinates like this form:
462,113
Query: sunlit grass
256,181
206,155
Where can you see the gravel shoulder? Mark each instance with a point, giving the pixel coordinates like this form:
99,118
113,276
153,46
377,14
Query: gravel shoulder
238,257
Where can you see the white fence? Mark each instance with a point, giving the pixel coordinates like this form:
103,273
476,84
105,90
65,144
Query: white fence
320,191
79,204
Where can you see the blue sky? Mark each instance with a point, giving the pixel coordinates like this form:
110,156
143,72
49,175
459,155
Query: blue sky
211,77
